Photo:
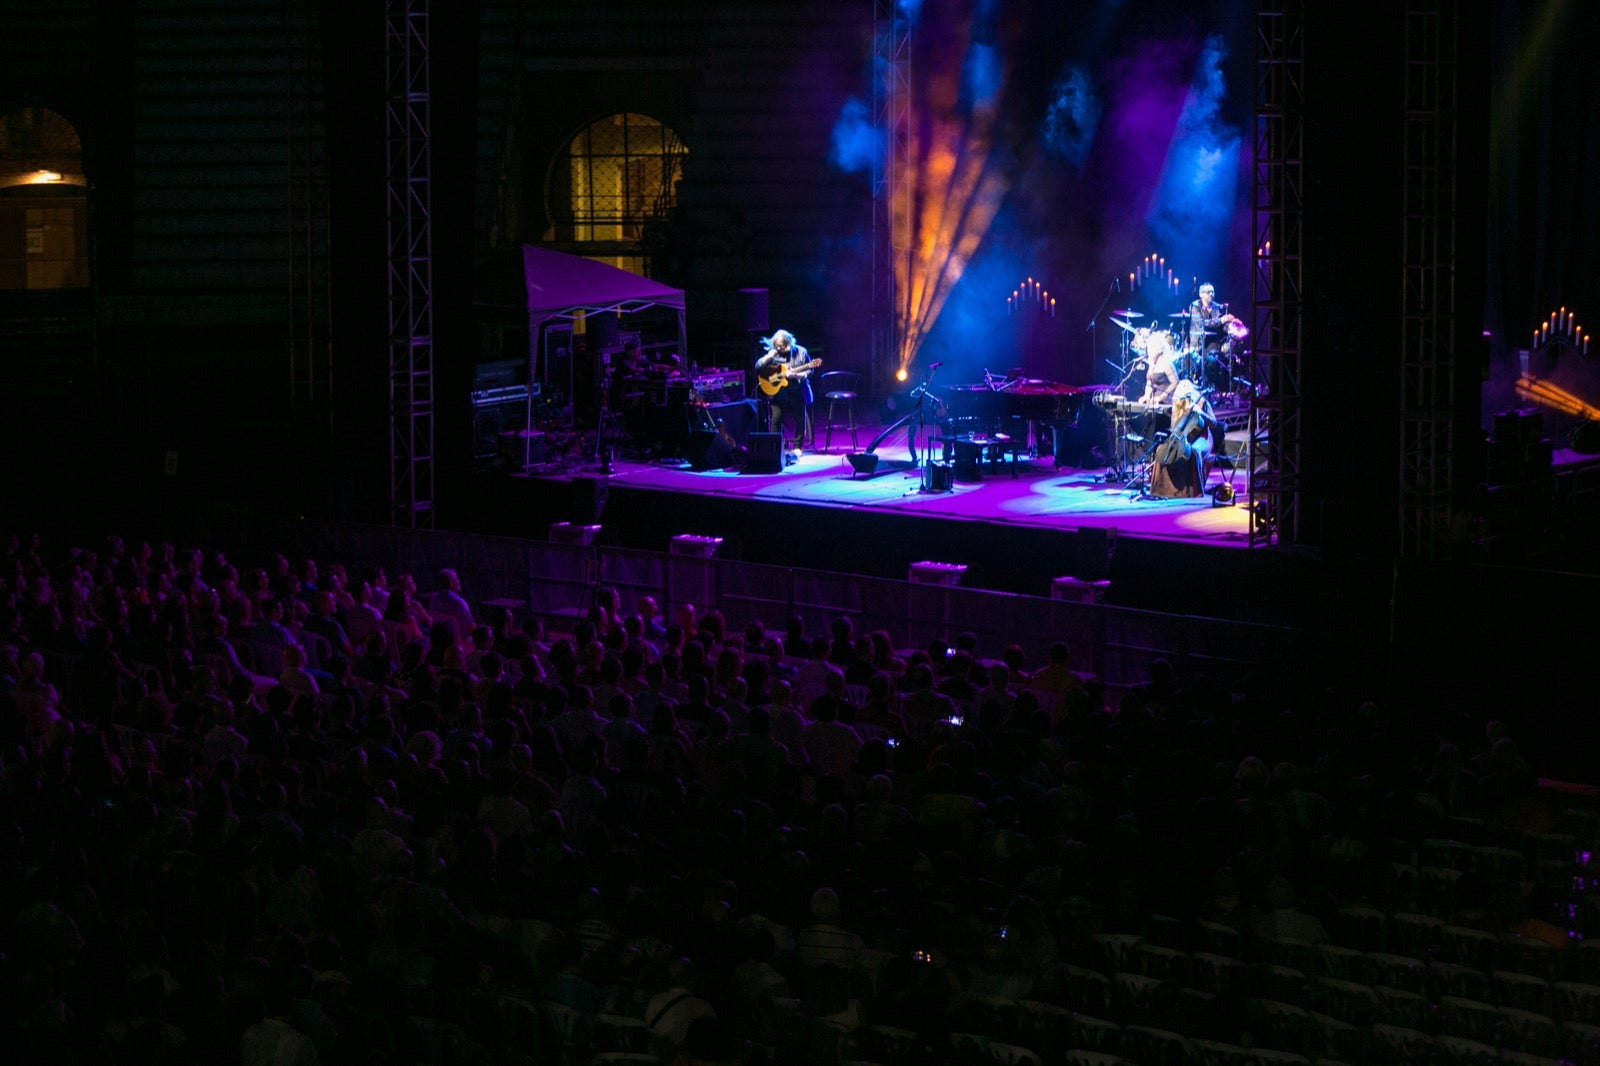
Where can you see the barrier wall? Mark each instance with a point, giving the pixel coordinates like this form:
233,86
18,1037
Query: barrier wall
557,584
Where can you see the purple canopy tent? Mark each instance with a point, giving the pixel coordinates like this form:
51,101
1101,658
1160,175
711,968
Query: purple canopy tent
570,287
562,286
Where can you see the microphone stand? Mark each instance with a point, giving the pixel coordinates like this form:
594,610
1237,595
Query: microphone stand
1094,319
602,451
925,465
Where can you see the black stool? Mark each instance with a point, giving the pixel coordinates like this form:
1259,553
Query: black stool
840,388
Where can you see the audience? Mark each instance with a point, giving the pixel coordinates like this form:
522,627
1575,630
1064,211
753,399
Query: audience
698,842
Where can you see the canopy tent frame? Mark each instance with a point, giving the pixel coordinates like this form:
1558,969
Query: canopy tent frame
570,288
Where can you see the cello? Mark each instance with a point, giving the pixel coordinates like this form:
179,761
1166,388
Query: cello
1187,428
1177,460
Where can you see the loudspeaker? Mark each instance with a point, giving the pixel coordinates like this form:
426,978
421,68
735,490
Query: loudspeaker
707,450
937,477
765,455
753,309
602,329
739,418
863,462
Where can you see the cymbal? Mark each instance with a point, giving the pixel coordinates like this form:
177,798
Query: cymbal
1179,314
1123,324
1128,313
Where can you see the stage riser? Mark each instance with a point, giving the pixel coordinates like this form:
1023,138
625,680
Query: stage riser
1147,573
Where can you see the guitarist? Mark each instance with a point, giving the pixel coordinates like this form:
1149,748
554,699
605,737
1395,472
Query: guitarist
782,374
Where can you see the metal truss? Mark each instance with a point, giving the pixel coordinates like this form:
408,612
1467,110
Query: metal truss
891,178
310,297
410,258
1277,218
1428,356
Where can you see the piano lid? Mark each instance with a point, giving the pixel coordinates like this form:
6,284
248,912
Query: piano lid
1036,387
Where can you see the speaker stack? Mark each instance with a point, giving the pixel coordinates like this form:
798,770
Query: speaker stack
753,309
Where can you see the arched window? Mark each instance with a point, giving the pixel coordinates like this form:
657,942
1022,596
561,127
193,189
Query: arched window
44,203
613,178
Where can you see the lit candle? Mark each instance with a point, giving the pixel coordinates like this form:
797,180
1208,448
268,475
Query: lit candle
1130,281
1586,344
1052,307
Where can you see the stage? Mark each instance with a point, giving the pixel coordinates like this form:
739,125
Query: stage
1014,525
1032,493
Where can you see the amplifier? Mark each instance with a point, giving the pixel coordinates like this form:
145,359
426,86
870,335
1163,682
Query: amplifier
494,415
502,394
719,386
1519,425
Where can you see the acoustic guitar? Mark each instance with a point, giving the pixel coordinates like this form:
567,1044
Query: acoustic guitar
773,377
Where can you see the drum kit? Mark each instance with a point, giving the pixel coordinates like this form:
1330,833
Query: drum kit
1208,355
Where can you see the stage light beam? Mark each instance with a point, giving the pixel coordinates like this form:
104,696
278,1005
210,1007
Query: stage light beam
954,190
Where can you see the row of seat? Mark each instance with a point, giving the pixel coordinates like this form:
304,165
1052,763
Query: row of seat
1274,1032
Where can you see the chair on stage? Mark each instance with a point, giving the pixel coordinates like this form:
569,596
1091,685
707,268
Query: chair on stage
840,388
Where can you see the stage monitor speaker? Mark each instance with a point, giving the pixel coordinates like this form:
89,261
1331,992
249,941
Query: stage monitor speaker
765,455
739,418
937,477
707,450
753,309
863,462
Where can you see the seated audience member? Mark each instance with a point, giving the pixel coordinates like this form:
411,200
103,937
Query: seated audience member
447,602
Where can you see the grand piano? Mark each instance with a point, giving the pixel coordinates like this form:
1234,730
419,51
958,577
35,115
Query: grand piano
1025,408
1021,399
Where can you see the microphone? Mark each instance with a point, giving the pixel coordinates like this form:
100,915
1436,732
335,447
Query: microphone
937,365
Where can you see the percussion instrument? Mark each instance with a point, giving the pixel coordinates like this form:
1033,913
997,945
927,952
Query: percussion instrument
1152,342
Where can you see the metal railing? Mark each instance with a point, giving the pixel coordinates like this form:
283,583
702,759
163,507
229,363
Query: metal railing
558,583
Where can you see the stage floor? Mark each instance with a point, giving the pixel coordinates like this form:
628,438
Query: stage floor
1037,495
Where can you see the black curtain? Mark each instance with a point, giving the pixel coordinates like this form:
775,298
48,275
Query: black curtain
1544,217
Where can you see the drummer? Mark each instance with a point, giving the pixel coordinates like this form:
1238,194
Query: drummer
1208,321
